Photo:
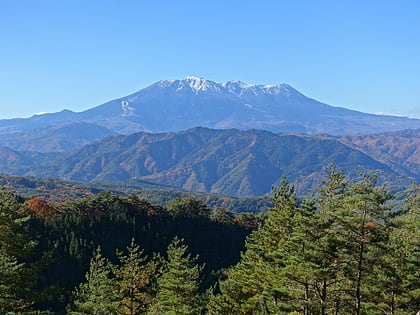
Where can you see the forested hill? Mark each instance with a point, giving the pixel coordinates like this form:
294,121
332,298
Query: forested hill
56,191
230,162
348,250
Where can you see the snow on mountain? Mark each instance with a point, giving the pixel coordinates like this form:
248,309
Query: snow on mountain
173,105
236,88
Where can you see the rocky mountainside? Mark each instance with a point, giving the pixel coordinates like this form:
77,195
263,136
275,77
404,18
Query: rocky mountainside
229,162
174,105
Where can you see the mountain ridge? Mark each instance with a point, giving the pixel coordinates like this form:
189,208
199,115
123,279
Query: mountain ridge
175,105
229,162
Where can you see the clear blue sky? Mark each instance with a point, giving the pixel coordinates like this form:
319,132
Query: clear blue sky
77,54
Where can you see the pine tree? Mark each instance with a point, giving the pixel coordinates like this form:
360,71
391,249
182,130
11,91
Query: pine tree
98,295
361,230
177,286
10,277
134,278
399,274
17,277
273,275
329,280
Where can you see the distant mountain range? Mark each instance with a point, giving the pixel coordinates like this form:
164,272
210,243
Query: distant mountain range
400,150
118,140
229,162
175,105
56,138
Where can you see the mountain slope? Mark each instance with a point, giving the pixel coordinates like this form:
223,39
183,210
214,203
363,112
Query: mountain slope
230,162
399,150
56,138
17,162
174,105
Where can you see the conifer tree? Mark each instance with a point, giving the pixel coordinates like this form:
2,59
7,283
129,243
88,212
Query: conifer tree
98,295
10,277
188,208
361,230
17,277
178,283
399,273
329,281
273,274
134,277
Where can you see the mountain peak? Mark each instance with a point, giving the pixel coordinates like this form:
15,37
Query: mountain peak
173,105
201,85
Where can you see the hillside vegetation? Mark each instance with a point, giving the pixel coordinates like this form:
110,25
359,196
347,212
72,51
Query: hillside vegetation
229,162
347,250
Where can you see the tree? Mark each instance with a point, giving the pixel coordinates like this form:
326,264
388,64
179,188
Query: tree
178,283
399,273
98,295
272,276
222,215
134,277
17,276
364,224
188,208
329,281
40,207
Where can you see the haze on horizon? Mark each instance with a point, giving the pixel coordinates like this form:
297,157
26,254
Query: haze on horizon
77,55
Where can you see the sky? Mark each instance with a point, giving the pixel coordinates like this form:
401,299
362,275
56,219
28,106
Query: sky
77,54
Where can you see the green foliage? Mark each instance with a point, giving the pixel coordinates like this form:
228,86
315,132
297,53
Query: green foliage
134,277
178,283
188,208
337,253
349,249
260,282
17,275
400,274
98,295
222,215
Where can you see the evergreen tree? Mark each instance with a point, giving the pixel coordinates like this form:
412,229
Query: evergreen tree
222,215
361,231
17,276
178,283
273,275
98,295
10,278
399,274
134,277
188,208
329,281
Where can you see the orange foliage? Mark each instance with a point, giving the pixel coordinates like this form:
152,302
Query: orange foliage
371,224
39,207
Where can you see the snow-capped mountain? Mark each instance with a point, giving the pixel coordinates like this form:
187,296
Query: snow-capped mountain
173,105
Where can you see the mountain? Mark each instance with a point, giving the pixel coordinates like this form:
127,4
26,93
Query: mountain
229,162
174,105
399,150
56,138
17,162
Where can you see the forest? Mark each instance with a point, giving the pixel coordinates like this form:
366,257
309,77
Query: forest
349,247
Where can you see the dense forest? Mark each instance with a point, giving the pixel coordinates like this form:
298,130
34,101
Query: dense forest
350,247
